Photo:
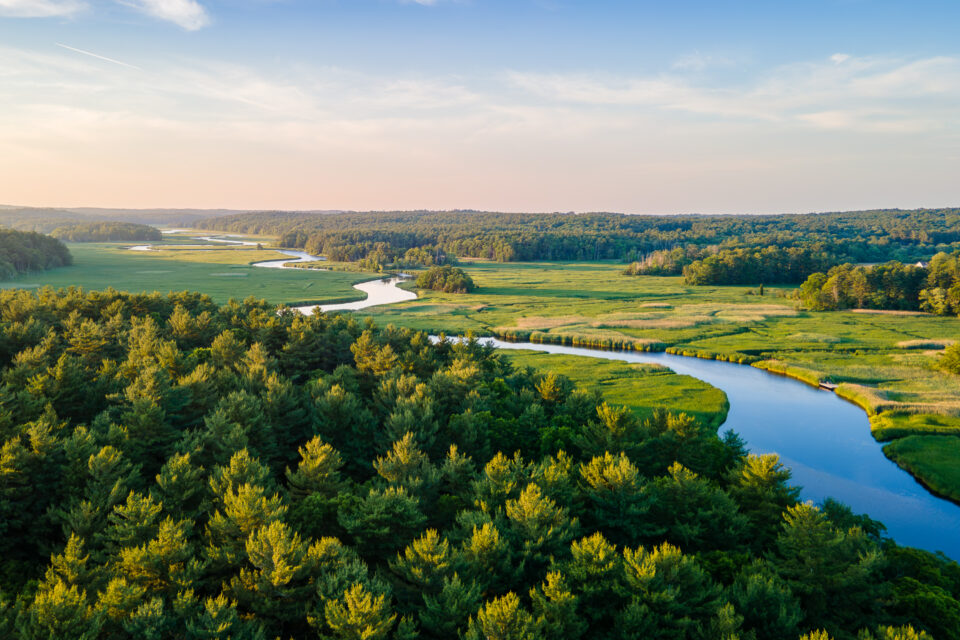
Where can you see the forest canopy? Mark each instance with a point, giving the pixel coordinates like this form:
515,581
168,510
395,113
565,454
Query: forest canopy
860,236
171,468
772,265
107,232
26,251
933,288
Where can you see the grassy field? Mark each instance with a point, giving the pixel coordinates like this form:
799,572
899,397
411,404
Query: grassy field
642,387
222,273
886,363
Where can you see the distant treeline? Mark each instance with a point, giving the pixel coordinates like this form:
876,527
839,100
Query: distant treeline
864,236
106,232
26,251
45,220
893,285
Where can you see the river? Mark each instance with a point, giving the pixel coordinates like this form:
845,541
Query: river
378,292
823,439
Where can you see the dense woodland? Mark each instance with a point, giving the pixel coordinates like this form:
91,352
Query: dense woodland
107,232
749,266
934,288
45,220
171,468
26,251
865,236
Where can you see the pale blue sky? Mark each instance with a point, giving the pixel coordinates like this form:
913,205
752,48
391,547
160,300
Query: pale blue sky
513,105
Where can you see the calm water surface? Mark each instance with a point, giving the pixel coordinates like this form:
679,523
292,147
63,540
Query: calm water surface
823,439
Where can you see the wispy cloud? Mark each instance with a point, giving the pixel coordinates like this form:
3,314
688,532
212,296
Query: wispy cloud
40,8
588,140
698,61
844,92
99,57
187,14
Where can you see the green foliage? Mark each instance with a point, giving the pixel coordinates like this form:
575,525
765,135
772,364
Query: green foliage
859,236
772,264
951,359
106,232
446,279
170,468
25,251
891,286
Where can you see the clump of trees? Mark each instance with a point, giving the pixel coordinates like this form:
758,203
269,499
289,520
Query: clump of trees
934,288
447,279
951,358
107,232
174,469
668,262
381,256
26,251
749,266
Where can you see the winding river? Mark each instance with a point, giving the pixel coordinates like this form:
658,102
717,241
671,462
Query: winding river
378,292
823,439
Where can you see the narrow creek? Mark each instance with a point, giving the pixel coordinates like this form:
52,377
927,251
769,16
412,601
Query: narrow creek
823,439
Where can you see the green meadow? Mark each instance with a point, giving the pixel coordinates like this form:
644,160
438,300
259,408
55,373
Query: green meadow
221,273
643,388
884,362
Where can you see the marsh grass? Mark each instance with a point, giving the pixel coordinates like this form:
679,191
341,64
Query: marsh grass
930,458
641,387
220,273
921,343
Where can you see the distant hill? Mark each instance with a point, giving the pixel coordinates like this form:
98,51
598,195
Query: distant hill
46,219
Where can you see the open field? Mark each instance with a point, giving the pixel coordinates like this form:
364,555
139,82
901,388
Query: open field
221,273
642,387
886,363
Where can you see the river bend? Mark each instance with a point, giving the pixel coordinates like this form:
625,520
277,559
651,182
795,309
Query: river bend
823,439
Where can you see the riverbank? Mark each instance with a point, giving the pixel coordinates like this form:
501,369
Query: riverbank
222,273
822,438
884,363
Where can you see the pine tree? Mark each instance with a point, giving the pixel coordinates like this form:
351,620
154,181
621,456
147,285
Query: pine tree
448,612
672,587
555,609
279,586
612,488
383,522
180,488
538,527
359,615
318,471
421,569
165,565
502,619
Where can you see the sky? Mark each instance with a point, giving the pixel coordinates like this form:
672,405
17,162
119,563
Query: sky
706,106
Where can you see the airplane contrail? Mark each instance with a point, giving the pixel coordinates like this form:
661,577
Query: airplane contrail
99,57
